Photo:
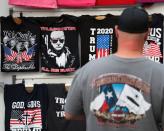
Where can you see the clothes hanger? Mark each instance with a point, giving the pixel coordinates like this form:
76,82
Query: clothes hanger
150,19
100,17
17,20
28,86
11,11
67,86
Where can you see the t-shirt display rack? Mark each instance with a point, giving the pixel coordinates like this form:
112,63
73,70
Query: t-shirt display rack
14,10
115,8
53,78
29,81
51,99
97,8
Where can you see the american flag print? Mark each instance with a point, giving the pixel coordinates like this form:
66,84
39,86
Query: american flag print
152,50
103,48
19,58
27,55
28,118
10,55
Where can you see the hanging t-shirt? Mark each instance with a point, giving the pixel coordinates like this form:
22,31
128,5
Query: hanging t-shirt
153,47
35,3
76,3
97,37
115,2
25,111
150,1
56,121
59,49
19,45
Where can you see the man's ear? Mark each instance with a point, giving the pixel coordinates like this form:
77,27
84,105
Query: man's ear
116,31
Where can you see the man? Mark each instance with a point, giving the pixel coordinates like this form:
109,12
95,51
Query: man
124,91
19,47
58,51
12,44
33,40
5,40
26,45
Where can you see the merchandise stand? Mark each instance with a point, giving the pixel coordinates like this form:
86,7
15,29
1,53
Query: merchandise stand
48,12
29,79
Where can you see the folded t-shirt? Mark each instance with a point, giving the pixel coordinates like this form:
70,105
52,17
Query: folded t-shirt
115,2
35,3
150,1
76,3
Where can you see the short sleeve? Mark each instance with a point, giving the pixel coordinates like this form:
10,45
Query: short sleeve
74,97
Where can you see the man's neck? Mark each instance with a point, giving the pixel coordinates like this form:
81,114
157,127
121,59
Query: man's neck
129,54
130,49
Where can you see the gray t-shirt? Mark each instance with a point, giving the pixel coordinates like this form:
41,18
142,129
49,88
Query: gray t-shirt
118,94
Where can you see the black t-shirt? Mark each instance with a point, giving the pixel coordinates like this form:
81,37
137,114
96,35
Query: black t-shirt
23,110
97,37
56,122
153,47
19,45
59,49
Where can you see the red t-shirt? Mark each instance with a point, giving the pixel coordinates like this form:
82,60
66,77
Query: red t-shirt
76,3
115,2
150,1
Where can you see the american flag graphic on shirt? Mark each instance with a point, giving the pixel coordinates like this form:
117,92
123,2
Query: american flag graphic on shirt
10,55
19,58
152,50
27,55
28,118
103,48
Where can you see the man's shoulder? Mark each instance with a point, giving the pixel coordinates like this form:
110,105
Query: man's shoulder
156,66
99,61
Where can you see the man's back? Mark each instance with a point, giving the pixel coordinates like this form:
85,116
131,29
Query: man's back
121,95
124,91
